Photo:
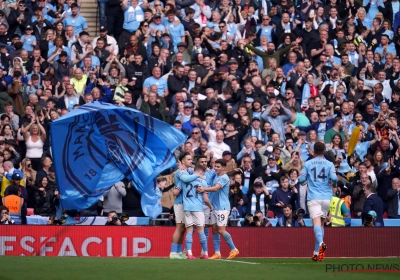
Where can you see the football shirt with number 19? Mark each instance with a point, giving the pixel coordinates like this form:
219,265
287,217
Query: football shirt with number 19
318,172
220,199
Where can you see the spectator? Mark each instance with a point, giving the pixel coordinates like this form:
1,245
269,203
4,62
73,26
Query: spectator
271,114
289,219
218,147
263,221
259,198
283,196
34,140
113,199
393,199
373,203
44,197
5,217
337,128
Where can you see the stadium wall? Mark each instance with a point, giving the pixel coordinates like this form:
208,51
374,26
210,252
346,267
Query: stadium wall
147,241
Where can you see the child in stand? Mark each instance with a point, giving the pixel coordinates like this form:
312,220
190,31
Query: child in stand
120,90
28,39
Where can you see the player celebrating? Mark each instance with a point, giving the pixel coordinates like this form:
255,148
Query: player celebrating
182,178
317,173
221,205
210,175
193,209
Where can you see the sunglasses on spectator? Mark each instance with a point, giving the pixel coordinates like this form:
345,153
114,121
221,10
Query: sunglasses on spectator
29,165
146,25
322,115
22,5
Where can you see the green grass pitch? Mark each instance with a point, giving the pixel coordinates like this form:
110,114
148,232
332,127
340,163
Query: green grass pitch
74,268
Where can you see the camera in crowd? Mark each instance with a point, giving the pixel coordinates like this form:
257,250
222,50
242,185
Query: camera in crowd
369,219
299,214
115,220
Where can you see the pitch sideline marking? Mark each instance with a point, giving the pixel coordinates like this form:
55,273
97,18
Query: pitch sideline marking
238,261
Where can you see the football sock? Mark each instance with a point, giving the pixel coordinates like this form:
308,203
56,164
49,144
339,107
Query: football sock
179,248
323,233
206,232
174,248
203,242
189,241
216,242
229,241
318,237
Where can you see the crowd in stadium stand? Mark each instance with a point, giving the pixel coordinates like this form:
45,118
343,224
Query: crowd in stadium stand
255,82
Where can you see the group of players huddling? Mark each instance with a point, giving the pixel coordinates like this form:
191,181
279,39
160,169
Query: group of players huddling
202,200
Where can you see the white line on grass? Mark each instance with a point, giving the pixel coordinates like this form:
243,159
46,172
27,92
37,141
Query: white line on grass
238,261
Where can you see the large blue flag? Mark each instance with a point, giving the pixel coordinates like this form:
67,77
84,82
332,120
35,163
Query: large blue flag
99,144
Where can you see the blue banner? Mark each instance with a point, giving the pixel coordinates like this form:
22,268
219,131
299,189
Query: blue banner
99,144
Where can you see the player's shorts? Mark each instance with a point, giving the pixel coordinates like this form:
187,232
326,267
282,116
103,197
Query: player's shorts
318,208
194,218
207,215
220,217
179,215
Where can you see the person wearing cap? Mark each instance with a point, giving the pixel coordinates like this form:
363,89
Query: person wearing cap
18,18
16,182
188,119
110,42
258,198
373,203
28,39
233,69
185,50
271,174
76,20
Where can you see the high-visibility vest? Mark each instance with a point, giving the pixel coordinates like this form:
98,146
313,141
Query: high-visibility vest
337,219
14,205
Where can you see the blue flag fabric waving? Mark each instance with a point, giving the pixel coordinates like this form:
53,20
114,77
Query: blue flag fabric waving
99,144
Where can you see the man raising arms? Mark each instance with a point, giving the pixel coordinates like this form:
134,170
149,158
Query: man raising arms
317,172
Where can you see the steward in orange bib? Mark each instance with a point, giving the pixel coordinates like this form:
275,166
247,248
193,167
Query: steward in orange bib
14,203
